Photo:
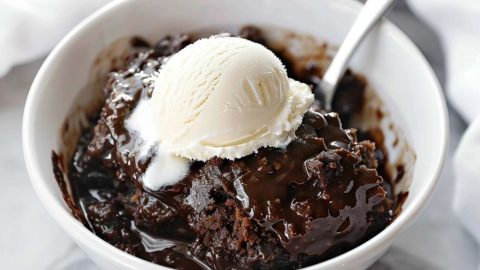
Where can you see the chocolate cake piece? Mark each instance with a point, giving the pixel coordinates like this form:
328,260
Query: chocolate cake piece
279,208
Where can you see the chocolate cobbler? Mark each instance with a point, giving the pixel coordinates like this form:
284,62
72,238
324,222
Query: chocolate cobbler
279,208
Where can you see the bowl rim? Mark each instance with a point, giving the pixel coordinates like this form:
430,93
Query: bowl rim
82,235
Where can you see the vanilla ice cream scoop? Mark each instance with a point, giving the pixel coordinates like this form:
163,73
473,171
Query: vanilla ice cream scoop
226,97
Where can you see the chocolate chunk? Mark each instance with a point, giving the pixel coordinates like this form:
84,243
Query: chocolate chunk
171,44
252,33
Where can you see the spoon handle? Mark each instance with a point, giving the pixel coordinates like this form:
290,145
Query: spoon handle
371,12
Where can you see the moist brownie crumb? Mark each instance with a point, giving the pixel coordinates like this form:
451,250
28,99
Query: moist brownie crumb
323,194
171,44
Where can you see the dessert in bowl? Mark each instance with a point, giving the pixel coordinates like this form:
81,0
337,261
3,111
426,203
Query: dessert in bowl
269,206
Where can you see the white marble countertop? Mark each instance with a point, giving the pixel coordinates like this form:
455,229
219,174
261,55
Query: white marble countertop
30,239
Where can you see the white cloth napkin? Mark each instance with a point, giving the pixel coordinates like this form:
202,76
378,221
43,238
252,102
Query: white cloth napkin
31,28
457,24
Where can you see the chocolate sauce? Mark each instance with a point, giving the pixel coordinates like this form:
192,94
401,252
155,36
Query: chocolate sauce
324,194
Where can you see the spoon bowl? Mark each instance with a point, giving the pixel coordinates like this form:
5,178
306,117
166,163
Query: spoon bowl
371,13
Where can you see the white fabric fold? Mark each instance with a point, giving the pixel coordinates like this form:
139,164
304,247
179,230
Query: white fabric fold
30,28
467,171
457,24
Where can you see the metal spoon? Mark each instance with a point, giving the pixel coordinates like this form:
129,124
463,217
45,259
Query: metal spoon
371,13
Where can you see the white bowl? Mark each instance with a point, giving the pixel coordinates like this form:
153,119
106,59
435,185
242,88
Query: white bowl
391,62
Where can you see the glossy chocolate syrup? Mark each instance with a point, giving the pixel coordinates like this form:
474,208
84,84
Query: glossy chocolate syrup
277,209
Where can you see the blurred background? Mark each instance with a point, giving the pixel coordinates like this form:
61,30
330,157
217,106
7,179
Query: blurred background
30,239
